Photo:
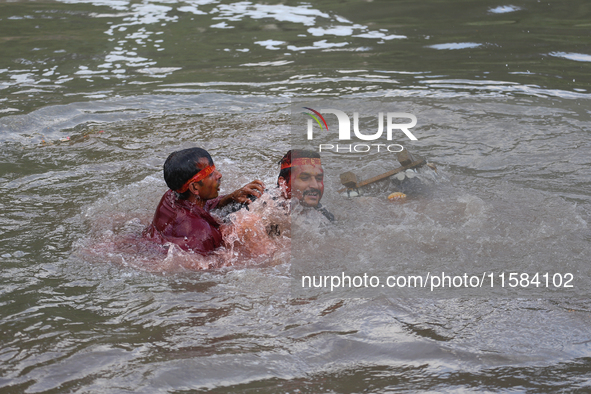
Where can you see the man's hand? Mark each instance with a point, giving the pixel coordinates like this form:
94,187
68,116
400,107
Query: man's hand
244,194
254,188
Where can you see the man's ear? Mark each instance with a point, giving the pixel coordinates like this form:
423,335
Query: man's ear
194,188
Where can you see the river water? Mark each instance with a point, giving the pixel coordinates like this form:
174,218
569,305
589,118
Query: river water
97,93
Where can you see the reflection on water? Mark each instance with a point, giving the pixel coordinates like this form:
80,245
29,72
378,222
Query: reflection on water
152,46
456,45
579,57
96,94
504,9
134,33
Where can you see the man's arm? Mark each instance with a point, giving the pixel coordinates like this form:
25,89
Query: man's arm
243,195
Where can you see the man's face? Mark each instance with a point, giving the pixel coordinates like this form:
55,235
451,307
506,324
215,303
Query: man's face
209,187
307,184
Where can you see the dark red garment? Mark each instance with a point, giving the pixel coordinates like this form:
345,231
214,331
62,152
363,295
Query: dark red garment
185,224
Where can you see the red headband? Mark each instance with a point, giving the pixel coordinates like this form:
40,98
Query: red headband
201,175
302,161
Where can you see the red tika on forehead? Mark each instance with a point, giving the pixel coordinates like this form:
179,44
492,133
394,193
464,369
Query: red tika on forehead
303,161
201,175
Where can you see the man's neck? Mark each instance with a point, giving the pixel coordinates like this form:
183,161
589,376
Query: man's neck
196,200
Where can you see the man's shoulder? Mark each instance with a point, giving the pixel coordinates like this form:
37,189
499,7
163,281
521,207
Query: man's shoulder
175,211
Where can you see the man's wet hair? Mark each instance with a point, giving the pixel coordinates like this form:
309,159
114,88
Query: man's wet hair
180,166
293,154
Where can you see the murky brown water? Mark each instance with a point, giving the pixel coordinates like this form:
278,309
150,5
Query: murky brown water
96,94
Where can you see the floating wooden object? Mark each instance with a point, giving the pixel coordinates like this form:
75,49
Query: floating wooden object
349,180
404,157
407,161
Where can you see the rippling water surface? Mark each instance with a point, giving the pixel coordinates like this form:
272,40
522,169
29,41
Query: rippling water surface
96,94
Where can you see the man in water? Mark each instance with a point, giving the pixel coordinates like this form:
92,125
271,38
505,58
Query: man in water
302,177
182,216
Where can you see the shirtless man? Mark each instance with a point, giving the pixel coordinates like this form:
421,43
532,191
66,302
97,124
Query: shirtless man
182,216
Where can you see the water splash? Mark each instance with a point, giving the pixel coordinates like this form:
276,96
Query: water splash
258,236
